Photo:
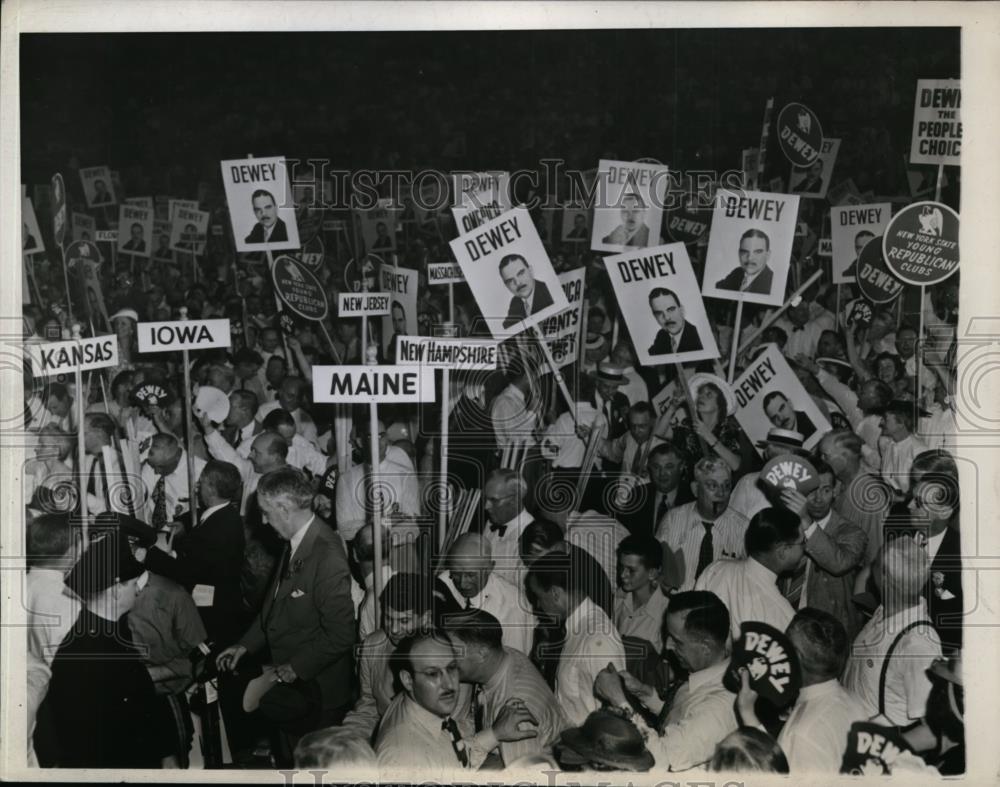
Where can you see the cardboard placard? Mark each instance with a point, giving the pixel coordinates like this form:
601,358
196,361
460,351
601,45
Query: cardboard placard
188,228
98,188
921,243
161,241
58,207
439,353
752,236
160,337
84,227
873,750
372,384
800,134
629,210
362,304
478,198
444,273
576,223
688,224
937,122
82,250
106,236
135,235
851,227
509,273
813,182
562,332
56,358
789,471
658,296
312,253
768,394
824,248
401,285
366,274
874,279
771,661
301,291
378,226
31,235
261,210
140,202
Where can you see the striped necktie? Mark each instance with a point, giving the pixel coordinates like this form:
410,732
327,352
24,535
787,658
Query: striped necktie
449,726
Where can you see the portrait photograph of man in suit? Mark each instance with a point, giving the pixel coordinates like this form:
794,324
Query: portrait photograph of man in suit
530,296
676,335
753,274
632,231
269,228
136,242
781,413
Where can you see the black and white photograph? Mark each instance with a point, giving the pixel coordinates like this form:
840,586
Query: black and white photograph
544,394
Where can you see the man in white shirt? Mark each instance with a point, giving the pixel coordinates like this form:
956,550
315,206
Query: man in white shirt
701,714
363,595
900,630
504,497
397,490
898,444
165,478
514,423
556,589
290,397
635,389
704,530
475,585
775,546
241,421
803,333
640,606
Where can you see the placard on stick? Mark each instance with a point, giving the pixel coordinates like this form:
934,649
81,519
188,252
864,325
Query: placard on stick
629,208
372,384
813,182
658,296
31,234
937,122
260,204
852,226
135,227
509,273
74,355
444,273
157,337
378,226
768,394
401,285
188,228
84,228
367,304
750,246
98,189
478,198
921,243
875,281
444,353
299,289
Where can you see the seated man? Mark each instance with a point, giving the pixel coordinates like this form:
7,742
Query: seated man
475,585
501,675
420,729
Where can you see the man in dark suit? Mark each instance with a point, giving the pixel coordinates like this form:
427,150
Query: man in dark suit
676,335
530,296
860,241
753,275
668,487
633,231
101,194
208,559
780,413
136,242
307,622
269,228
580,229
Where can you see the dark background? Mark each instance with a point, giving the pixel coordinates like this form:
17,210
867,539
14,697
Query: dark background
165,108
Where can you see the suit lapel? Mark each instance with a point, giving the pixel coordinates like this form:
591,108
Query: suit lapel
297,563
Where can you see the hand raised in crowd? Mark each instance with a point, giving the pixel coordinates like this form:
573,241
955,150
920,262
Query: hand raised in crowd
206,422
745,700
807,363
794,501
507,725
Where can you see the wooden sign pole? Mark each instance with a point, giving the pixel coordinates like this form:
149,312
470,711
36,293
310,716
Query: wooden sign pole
81,444
189,426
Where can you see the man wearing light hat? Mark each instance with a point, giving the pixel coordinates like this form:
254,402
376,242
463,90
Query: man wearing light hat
608,378
747,497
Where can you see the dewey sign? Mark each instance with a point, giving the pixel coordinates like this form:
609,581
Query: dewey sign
372,384
161,337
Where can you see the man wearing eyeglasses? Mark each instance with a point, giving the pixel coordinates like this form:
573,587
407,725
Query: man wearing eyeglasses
775,547
395,489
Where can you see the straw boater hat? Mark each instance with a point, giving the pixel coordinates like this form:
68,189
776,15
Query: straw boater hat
609,373
132,314
696,381
594,341
786,438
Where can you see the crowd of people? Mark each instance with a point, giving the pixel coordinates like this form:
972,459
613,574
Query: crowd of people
320,612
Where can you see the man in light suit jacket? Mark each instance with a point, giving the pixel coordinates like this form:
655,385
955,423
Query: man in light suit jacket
307,620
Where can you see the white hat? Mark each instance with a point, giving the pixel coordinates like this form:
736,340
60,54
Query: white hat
130,313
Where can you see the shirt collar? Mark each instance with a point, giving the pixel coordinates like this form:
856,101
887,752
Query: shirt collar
761,572
709,675
822,523
209,511
429,721
300,534
818,689
518,523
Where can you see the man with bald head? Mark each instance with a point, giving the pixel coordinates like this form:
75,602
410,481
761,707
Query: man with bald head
470,577
291,397
504,497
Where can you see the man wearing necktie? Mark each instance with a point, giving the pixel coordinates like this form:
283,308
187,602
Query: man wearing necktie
649,503
754,275
307,619
504,497
529,296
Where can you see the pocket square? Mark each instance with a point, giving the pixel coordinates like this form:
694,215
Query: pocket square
298,593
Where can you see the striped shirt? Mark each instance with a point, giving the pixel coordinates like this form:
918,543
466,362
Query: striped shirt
682,531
